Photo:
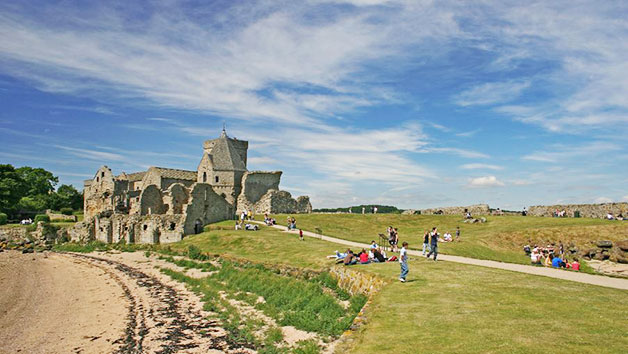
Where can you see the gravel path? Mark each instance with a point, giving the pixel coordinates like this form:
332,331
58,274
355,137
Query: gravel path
599,280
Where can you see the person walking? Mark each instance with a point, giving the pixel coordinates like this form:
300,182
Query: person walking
300,234
457,233
434,244
403,262
426,242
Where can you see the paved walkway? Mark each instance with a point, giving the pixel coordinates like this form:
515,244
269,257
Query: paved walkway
599,280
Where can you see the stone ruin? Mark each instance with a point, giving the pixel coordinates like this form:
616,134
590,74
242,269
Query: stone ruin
162,205
478,209
584,210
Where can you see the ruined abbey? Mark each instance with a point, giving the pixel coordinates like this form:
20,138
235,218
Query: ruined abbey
163,205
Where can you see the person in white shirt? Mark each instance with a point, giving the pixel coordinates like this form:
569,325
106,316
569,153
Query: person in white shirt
403,262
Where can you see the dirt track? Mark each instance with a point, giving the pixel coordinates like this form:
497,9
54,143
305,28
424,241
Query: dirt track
68,303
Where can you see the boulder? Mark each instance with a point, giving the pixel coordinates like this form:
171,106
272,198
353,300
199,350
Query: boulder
604,244
623,245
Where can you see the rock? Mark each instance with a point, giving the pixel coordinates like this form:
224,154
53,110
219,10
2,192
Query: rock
599,256
623,245
604,244
588,252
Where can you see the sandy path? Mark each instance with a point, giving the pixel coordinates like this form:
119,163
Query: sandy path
57,305
599,280
101,303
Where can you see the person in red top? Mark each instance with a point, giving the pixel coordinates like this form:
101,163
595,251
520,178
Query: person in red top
575,265
364,257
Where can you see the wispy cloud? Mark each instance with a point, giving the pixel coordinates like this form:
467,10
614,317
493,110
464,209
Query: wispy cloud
557,153
480,166
491,93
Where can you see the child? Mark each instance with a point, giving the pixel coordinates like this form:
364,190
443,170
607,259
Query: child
300,234
403,262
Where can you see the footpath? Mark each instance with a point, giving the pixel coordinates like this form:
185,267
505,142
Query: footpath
599,280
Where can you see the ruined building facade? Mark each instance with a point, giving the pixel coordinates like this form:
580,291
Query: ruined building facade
163,205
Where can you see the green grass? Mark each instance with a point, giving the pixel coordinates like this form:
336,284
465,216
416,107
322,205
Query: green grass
501,238
447,307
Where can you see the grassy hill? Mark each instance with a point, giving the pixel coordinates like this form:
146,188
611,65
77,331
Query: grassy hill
501,238
447,307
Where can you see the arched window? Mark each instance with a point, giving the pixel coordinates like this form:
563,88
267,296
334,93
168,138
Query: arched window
216,179
204,177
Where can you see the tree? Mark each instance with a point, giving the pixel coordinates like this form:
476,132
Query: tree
11,188
70,197
37,180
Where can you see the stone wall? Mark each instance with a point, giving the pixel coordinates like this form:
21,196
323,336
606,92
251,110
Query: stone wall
205,207
356,282
151,201
281,202
54,216
586,210
254,186
477,209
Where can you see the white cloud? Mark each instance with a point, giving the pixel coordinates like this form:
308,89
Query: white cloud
558,153
480,166
460,152
491,93
625,198
487,181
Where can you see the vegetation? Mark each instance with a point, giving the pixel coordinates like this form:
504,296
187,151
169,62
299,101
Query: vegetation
454,307
41,217
501,238
3,218
27,190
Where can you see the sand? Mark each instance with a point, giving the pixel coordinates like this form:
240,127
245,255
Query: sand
100,303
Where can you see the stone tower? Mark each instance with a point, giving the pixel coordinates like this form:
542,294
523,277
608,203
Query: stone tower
222,166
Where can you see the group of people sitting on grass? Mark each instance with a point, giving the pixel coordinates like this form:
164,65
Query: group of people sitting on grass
241,225
373,254
559,213
551,256
610,216
269,221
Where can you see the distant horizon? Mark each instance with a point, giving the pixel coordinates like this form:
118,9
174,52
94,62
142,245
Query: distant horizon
389,102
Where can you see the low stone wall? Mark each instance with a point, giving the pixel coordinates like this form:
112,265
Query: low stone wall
478,209
614,251
586,210
356,282
13,233
63,217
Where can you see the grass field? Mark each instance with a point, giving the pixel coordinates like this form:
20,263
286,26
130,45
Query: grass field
448,307
501,238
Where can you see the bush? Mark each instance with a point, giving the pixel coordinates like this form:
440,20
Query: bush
41,217
3,218
66,211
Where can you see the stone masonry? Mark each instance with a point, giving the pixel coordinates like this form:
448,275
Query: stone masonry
162,205
585,210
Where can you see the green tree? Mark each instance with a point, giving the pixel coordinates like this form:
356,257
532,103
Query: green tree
37,180
71,197
11,188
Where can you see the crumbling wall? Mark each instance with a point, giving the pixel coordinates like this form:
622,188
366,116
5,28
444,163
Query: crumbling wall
205,207
281,202
103,230
254,186
151,201
586,210
478,209
54,216
98,193
176,197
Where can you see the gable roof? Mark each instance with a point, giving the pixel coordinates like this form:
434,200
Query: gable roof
175,173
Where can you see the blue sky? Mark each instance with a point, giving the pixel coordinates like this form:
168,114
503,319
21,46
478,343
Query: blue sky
408,103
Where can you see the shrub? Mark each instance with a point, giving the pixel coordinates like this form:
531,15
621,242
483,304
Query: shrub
41,217
3,218
66,211
195,253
